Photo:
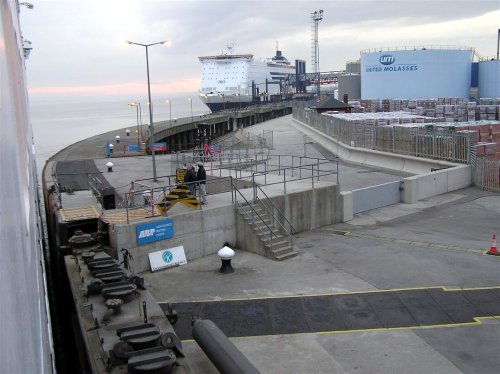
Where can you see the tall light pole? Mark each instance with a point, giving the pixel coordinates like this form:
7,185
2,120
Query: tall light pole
316,18
191,102
137,106
152,135
169,102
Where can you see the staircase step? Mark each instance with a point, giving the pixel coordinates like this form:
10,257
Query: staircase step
265,237
248,211
265,225
277,251
277,245
285,256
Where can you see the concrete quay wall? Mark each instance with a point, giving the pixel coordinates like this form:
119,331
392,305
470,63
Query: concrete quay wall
203,232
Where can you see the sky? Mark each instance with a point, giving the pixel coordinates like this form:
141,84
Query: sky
79,46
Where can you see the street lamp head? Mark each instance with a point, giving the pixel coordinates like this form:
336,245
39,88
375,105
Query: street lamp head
167,43
27,5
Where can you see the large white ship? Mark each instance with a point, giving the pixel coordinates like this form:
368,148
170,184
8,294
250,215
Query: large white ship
237,80
26,339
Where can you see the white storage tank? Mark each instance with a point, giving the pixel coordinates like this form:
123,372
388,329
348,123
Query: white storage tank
489,78
416,73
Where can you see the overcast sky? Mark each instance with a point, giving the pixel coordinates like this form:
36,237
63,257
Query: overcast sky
79,49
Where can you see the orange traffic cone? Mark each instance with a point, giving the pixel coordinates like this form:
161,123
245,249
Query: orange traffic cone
493,247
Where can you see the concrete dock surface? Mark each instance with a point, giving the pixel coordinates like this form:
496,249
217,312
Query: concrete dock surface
437,242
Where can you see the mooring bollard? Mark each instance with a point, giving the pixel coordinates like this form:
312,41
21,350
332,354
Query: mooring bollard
226,254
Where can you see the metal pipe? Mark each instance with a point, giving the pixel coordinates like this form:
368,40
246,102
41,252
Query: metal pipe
220,350
498,44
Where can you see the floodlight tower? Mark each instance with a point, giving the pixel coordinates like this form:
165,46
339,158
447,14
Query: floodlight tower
316,18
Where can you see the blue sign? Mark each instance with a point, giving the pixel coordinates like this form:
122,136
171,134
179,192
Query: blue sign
155,231
133,148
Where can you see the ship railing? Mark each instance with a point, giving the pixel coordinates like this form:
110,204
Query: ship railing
418,47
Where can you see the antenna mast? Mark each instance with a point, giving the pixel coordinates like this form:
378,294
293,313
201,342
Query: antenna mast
316,18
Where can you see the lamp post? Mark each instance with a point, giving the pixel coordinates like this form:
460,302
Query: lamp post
169,102
238,98
152,135
191,102
137,106
223,102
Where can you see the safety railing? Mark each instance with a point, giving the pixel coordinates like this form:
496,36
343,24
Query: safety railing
278,217
486,173
236,170
256,220
418,47
426,140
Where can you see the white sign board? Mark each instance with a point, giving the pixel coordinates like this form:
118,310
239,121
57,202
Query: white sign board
167,258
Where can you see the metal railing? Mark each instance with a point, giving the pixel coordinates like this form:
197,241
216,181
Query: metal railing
486,173
415,139
418,47
144,194
257,220
277,215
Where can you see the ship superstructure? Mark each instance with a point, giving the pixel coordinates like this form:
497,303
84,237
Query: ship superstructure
232,80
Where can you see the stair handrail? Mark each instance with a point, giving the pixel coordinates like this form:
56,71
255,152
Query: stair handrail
237,204
272,213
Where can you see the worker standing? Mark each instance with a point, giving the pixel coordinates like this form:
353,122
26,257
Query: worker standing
190,179
202,179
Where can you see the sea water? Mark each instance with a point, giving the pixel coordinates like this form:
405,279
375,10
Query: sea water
60,123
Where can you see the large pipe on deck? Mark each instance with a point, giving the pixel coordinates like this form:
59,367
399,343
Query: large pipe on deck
220,350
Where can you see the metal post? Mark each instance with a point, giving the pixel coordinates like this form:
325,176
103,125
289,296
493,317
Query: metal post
254,188
300,167
138,134
132,198
152,203
337,169
151,125
284,181
498,45
312,175
140,120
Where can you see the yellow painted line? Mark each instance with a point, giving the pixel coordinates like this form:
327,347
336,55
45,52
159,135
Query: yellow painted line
476,321
444,288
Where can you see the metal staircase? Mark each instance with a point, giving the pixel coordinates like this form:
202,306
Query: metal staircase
267,231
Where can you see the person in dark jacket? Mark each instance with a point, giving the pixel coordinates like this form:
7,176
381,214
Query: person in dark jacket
202,179
190,179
